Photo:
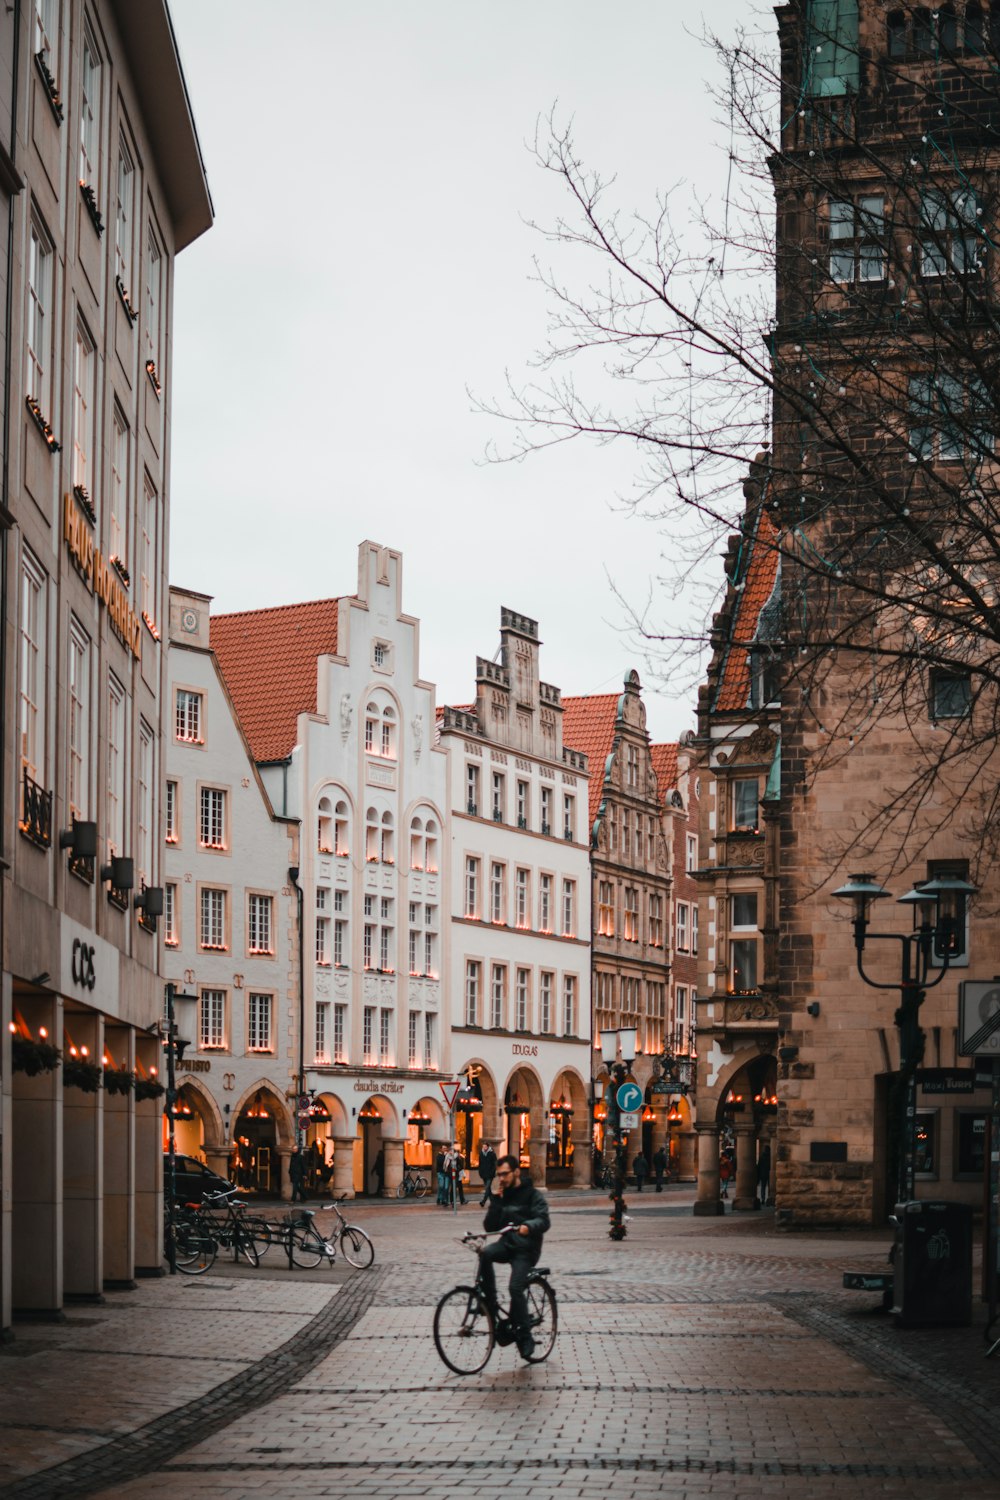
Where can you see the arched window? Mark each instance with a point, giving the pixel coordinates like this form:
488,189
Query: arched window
341,825
896,33
371,836
431,848
372,717
387,849
389,733
324,827
417,844
380,729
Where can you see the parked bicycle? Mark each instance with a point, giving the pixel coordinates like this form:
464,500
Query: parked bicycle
465,1330
412,1185
219,1221
308,1246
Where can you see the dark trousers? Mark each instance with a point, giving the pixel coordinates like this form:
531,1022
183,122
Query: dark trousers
659,1182
487,1183
299,1194
508,1251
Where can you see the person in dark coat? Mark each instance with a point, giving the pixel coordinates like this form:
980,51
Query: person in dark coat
764,1173
487,1169
379,1172
660,1167
297,1176
440,1167
516,1203
641,1169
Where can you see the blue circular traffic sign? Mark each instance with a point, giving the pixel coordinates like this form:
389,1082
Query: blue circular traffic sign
629,1097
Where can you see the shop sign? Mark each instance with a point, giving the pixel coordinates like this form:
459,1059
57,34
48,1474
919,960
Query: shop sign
522,1049
377,1086
99,575
197,1065
83,968
947,1080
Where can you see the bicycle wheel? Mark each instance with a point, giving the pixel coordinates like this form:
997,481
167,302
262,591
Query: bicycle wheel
307,1249
402,1190
244,1244
464,1334
355,1246
194,1250
262,1238
420,1186
544,1319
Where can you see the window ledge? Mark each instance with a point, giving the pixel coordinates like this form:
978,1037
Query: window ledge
50,86
90,199
123,298
43,426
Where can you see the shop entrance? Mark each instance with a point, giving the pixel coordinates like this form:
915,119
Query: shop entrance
255,1165
372,1156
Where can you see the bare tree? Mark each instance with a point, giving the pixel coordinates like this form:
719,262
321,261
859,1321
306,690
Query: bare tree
836,328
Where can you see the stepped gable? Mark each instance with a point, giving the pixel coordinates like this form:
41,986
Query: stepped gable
589,725
664,758
268,659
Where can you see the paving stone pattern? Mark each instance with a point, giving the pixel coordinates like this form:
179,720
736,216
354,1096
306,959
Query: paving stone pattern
714,1359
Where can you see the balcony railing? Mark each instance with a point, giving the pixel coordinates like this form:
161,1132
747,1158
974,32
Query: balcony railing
36,813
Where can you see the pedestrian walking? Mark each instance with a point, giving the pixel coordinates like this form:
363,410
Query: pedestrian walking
725,1174
660,1167
487,1169
297,1176
441,1169
640,1167
764,1173
378,1170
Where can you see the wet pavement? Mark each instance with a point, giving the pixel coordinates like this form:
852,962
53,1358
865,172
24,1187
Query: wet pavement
699,1357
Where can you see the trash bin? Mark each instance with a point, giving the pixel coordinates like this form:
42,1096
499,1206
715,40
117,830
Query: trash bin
932,1281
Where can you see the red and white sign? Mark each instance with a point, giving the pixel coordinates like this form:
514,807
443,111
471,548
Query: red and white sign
450,1092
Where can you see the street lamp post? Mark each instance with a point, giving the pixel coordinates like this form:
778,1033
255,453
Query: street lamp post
938,906
174,1045
613,1042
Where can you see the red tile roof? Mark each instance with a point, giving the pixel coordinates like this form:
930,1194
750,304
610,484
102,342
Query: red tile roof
589,725
268,658
758,586
665,765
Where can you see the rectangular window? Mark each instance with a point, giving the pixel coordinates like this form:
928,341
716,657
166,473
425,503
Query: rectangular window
605,908
79,721
656,921
368,945
212,1020
522,804
171,817
171,928
368,1036
522,1000
499,796
154,305
545,1000
746,798
631,766
949,420
118,491
831,55
545,903
683,940
743,950
523,899
430,1042
569,817
631,914
472,790
950,233
124,216
90,110
145,781
498,882
951,694
472,985
413,951
569,908
259,1022
472,887
40,321
691,857
149,532
569,1005
115,768
413,1040
213,918
259,935
212,818
546,809
34,667
187,717
340,948
84,361
857,240
322,1038
694,929
340,1033
46,39
498,996
322,939
627,832
386,1051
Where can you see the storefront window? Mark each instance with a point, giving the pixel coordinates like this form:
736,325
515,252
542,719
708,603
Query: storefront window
971,1137
925,1152
560,1149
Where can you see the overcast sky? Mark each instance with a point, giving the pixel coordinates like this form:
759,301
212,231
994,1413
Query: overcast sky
370,262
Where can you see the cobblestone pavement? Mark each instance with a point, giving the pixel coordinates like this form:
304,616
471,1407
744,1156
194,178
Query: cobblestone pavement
712,1359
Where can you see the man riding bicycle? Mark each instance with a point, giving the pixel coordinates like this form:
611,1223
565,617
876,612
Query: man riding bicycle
520,1206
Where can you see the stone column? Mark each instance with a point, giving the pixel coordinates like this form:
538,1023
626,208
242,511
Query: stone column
284,1153
83,1169
343,1166
36,1159
392,1157
148,1164
583,1165
538,1160
708,1203
687,1156
745,1196
119,1167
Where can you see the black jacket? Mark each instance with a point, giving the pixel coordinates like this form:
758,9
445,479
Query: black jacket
520,1205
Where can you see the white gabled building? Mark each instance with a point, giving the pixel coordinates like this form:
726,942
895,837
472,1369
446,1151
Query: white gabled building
229,921
520,916
341,727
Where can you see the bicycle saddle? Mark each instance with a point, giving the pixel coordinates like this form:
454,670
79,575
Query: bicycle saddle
540,1271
